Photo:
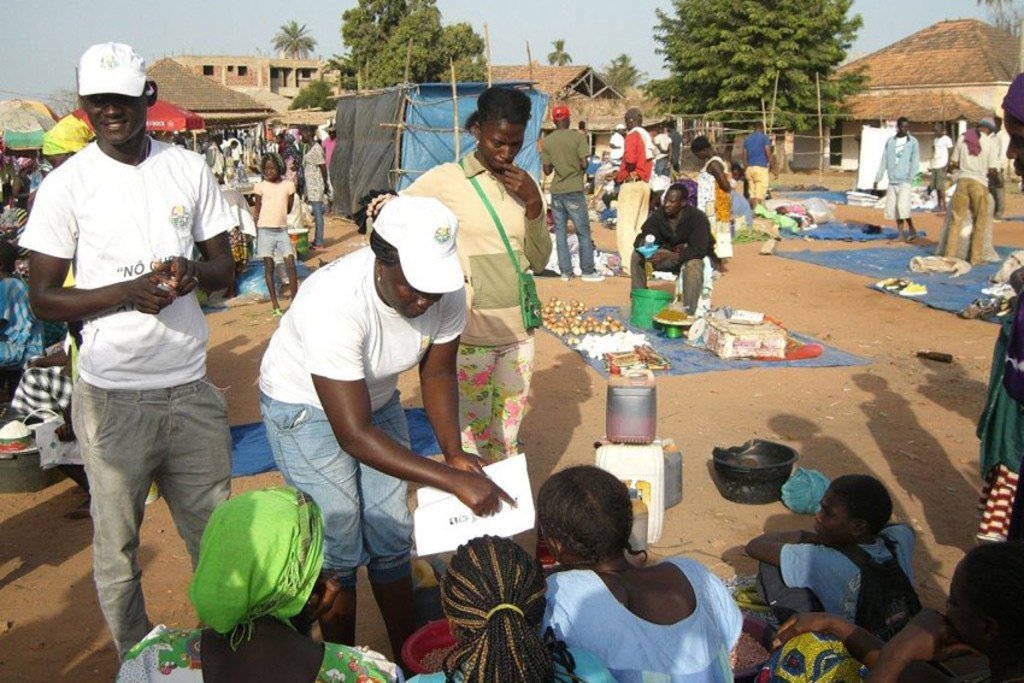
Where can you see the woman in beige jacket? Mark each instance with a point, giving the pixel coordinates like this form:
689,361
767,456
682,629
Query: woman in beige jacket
496,353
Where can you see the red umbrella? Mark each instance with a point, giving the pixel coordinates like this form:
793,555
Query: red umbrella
165,117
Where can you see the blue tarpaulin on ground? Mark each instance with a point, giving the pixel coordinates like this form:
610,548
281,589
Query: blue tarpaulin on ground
944,293
845,231
428,140
827,195
250,450
687,360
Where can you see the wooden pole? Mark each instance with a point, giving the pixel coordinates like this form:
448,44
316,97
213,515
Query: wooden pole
455,110
821,130
529,61
487,54
771,126
408,61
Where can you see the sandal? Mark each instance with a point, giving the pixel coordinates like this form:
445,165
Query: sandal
277,313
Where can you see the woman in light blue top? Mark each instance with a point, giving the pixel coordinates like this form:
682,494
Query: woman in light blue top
493,596
673,621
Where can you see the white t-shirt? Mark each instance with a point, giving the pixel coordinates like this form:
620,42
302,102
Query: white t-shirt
977,167
662,143
940,151
114,220
618,147
339,328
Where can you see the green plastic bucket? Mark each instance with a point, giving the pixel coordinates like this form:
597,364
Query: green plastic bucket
300,242
647,302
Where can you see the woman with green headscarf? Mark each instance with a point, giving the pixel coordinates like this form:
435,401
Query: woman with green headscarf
257,589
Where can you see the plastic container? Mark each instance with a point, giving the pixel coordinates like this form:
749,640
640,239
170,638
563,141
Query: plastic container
641,468
22,473
300,241
632,408
645,303
433,636
754,472
638,534
673,475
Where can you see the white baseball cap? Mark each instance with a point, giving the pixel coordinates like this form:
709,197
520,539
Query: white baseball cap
423,230
111,68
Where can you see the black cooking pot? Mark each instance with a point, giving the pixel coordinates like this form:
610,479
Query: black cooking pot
754,472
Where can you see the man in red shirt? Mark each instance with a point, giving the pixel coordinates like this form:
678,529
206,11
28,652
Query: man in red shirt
635,192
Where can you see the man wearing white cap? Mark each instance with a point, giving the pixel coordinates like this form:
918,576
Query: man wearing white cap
329,398
128,213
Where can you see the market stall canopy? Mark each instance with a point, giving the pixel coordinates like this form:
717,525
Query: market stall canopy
164,117
23,123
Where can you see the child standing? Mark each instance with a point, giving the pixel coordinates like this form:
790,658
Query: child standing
274,199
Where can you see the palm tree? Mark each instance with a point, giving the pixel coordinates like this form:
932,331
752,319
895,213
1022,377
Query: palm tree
294,41
559,57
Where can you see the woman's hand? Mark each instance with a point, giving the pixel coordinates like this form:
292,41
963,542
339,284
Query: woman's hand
519,184
480,494
467,462
811,622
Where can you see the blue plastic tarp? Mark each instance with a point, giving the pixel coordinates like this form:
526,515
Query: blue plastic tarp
846,231
944,293
250,450
687,360
428,141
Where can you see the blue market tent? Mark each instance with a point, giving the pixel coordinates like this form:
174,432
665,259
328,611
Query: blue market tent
388,138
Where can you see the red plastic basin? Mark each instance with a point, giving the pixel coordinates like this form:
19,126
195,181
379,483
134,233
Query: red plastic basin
430,637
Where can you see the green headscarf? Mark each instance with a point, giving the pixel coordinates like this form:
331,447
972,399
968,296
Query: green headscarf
261,554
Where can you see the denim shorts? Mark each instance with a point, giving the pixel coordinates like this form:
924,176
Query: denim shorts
273,243
366,514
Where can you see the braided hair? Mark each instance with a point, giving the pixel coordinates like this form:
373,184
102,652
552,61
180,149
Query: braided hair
588,512
993,578
493,596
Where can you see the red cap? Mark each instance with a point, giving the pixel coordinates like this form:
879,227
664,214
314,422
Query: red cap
560,113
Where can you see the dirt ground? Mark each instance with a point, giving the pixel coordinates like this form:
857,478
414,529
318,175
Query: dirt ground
908,421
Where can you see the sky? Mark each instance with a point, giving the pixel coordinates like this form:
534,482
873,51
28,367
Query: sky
42,39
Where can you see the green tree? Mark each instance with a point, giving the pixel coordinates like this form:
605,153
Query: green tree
723,55
1005,14
558,56
294,41
344,70
378,34
622,74
316,95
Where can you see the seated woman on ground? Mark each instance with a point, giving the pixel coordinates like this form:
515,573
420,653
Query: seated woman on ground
983,616
258,589
671,621
493,596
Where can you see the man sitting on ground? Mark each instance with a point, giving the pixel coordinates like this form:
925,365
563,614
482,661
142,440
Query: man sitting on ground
821,571
683,237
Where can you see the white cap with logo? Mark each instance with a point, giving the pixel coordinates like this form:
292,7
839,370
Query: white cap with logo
423,230
111,68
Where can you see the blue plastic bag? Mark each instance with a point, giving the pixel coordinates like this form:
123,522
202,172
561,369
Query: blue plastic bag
803,492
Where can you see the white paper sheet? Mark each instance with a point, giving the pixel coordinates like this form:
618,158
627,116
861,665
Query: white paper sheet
442,523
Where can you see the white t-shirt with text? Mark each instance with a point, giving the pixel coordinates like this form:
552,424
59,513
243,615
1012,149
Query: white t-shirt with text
113,220
339,328
940,151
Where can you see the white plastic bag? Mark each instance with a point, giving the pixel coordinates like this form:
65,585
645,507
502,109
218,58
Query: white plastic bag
53,451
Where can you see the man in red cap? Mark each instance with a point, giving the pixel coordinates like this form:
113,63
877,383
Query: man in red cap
565,155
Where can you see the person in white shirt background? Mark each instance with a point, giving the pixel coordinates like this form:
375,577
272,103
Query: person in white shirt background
128,211
997,184
941,144
662,146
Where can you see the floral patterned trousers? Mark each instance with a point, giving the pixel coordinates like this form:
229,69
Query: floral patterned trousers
494,382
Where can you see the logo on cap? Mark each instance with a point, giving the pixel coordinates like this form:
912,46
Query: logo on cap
443,234
109,62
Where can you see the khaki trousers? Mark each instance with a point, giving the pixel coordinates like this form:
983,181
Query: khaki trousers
970,199
634,202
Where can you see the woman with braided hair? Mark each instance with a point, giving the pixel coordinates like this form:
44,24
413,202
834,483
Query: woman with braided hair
673,621
493,596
